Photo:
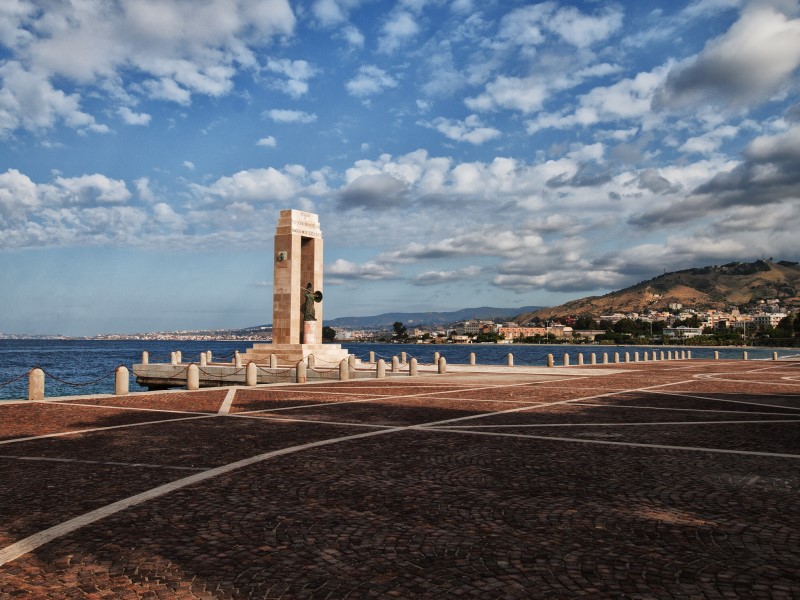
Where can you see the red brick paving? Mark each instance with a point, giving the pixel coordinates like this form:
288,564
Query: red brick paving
201,401
420,512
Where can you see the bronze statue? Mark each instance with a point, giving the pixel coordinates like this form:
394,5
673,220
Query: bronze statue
308,304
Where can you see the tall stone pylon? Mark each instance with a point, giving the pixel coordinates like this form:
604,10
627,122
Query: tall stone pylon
297,262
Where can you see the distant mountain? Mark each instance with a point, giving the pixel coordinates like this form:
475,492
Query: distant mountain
416,319
718,287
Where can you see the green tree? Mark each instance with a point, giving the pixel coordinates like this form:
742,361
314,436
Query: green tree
328,334
400,331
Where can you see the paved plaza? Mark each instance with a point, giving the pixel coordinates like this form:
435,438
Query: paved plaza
644,480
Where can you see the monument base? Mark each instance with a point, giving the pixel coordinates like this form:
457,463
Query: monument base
326,355
309,332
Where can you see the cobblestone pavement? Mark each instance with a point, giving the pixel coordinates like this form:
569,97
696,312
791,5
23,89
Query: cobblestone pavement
657,480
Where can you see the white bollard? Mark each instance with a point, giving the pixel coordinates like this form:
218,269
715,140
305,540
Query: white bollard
251,374
403,357
550,361
301,372
145,358
661,355
371,357
716,354
472,359
344,370
121,381
395,364
237,359
208,357
273,361
669,354
442,365
380,369
593,358
627,357
566,359
689,354
744,355
311,361
203,359
605,358
193,377
510,359
413,367
774,356
435,357
616,357
179,356
635,357
36,384
580,359
173,358
351,361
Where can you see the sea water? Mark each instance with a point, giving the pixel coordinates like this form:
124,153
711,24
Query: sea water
79,367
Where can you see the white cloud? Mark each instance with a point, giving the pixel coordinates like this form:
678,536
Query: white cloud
188,165
172,48
397,30
469,130
710,141
290,116
440,277
297,72
132,118
370,80
344,270
18,195
583,30
746,65
267,142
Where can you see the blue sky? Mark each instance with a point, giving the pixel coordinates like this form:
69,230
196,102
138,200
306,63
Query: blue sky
459,152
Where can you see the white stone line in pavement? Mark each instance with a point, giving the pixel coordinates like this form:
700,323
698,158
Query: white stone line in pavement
225,408
100,462
610,443
545,405
36,540
700,410
159,410
93,429
727,400
750,381
312,421
636,424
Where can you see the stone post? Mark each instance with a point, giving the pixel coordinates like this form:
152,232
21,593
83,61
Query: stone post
661,355
344,370
251,374
203,359
301,373
145,358
412,367
689,354
371,357
593,358
716,354
173,358
744,355
472,359
208,357
395,364
566,359
580,358
403,357
436,357
550,361
636,357
605,358
442,365
179,356
669,354
193,377
273,361
237,359
510,359
380,369
774,356
121,381
627,357
36,384
311,361
646,356
616,357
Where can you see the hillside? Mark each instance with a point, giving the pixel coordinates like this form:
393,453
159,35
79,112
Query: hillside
733,284
386,320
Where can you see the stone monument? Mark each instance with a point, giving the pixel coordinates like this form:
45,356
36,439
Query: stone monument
297,295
